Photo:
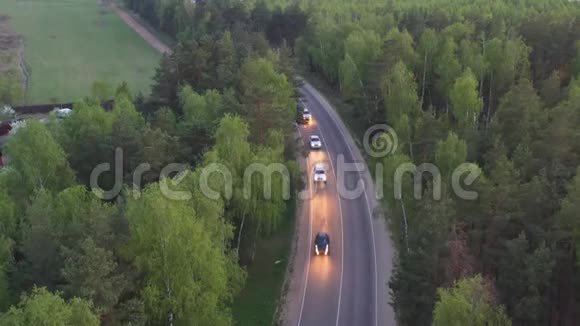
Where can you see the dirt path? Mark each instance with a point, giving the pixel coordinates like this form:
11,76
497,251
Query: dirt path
141,30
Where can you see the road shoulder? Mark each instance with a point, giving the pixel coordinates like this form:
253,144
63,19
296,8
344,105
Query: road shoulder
291,300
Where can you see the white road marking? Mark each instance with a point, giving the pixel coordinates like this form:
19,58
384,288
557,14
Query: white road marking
341,222
368,209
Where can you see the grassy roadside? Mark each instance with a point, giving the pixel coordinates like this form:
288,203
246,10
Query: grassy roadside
257,303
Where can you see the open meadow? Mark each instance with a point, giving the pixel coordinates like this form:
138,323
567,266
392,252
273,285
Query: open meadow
69,44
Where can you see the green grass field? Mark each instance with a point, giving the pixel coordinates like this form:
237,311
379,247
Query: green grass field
71,43
257,303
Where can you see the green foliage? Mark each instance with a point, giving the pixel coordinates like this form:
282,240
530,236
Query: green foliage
450,153
90,274
485,63
466,104
447,67
428,130
188,274
165,120
404,134
232,143
39,159
86,133
267,98
6,263
517,116
576,62
567,216
11,90
551,91
126,133
414,60
508,62
268,195
399,46
472,57
206,109
394,186
325,47
363,47
8,217
226,58
91,136
47,309
428,44
351,82
414,292
127,257
54,221
259,187
469,302
100,92
524,279
159,149
400,93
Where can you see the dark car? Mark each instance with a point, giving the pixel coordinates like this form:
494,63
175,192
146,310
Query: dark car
5,128
300,118
322,244
300,114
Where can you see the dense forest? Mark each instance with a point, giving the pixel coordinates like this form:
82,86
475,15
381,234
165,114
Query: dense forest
124,253
494,83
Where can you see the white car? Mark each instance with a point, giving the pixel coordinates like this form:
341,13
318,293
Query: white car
306,115
63,113
315,142
7,113
16,125
319,173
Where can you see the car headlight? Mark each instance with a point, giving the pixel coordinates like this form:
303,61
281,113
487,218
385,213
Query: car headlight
326,250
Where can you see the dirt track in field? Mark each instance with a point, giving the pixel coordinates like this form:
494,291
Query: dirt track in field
141,30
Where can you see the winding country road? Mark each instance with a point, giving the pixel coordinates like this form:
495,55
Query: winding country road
349,287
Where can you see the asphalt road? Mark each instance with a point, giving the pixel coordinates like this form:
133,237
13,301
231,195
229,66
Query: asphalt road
348,287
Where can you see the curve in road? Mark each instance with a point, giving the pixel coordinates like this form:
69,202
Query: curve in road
350,286
363,256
